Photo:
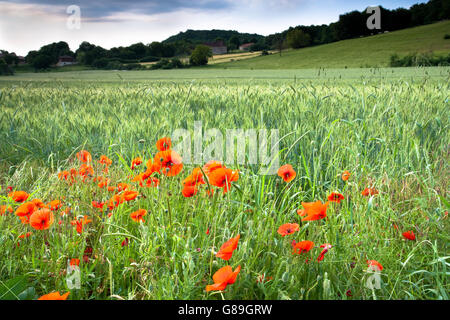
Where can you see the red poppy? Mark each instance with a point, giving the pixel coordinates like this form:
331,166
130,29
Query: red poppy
223,277
80,223
369,192
169,161
409,235
138,215
336,197
301,212
54,296
130,195
136,162
163,144
302,247
196,177
19,196
326,247
26,235
41,219
189,191
84,156
85,171
212,165
63,175
288,228
105,160
226,250
125,242
315,210
346,175
222,178
287,173
263,278
374,265
74,262
4,209
55,205
98,204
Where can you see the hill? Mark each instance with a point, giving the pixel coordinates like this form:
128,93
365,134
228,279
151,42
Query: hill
372,51
196,36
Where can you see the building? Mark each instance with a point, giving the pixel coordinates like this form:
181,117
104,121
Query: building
246,46
65,61
217,47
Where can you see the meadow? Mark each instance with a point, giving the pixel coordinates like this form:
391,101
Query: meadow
389,128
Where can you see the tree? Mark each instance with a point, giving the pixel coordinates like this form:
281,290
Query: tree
296,38
200,55
5,70
42,61
234,42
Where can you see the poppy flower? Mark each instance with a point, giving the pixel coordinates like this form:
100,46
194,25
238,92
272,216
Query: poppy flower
26,235
25,210
138,215
54,296
84,156
302,247
152,182
222,178
409,235
55,205
163,144
136,162
326,247
115,201
105,160
130,195
169,161
86,170
346,175
288,228
125,242
80,223
64,175
4,209
226,250
374,265
336,197
287,173
41,219
19,196
104,182
263,278
223,277
315,210
301,212
189,191
196,177
369,192
74,262
98,204
153,166
212,165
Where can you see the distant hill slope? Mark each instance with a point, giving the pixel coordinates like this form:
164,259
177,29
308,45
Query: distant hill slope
373,51
211,35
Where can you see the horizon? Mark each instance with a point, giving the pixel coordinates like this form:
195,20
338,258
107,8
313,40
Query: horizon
40,22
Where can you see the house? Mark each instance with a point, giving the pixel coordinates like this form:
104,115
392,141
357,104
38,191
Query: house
65,61
246,46
217,47
21,60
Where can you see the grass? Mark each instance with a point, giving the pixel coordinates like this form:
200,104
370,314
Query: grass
388,127
373,51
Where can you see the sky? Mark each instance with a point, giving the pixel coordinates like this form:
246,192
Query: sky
29,24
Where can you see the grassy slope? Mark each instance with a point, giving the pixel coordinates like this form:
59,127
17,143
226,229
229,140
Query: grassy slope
373,51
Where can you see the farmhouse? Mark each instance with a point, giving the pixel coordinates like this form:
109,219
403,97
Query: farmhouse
217,47
246,46
65,61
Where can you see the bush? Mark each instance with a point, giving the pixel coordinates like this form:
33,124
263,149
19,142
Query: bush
200,55
5,69
419,60
150,59
447,36
174,63
100,63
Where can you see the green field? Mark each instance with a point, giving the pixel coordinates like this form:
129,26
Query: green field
388,127
373,51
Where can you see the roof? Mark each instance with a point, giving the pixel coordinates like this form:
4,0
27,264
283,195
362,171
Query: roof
214,44
245,45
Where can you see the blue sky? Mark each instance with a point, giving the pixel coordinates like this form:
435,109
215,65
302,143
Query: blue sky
29,24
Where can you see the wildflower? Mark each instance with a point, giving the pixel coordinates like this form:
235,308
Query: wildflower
169,161
163,144
301,212
63,175
152,182
315,210
86,171
136,162
409,235
263,278
302,247
19,196
74,262
41,219
54,296
4,209
346,175
349,293
80,223
105,160
212,165
196,177
326,247
287,173
98,204
125,242
335,197
222,178
226,250
288,228
84,156
369,192
138,215
26,235
223,277
25,210
189,191
130,195
55,205
104,182
374,265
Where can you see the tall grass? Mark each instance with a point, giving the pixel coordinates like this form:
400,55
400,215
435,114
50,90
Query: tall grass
392,134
